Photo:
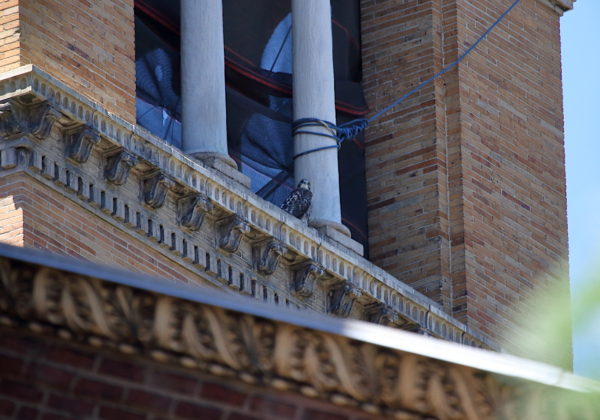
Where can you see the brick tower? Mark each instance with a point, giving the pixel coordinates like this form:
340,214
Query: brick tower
466,179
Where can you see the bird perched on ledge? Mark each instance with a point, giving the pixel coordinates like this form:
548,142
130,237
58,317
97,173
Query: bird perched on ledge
299,200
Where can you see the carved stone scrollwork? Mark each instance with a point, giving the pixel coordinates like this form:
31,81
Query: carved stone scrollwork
230,232
266,256
118,166
305,277
383,315
294,356
155,188
328,365
392,383
91,306
37,119
42,118
80,143
192,209
341,299
9,122
212,335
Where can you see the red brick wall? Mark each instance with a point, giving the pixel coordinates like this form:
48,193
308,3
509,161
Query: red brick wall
9,35
465,179
89,45
513,161
49,379
406,153
11,212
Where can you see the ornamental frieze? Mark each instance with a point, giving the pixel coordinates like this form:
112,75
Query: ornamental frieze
262,350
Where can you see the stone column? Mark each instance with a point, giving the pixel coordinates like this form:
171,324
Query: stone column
314,97
204,125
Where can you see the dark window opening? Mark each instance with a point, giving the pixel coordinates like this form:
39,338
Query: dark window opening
258,66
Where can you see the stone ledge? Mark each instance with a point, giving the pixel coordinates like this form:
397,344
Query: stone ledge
226,168
167,171
559,6
376,369
341,239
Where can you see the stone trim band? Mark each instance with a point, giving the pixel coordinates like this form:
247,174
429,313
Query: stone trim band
261,350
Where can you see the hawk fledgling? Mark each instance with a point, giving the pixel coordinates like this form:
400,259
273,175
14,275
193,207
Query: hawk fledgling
298,202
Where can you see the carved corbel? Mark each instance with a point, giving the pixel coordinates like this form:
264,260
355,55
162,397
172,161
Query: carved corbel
80,144
37,119
341,299
305,277
154,189
118,166
9,122
266,256
192,210
41,119
382,314
385,315
231,230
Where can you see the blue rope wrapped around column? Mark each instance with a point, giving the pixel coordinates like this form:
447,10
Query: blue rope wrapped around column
352,128
339,133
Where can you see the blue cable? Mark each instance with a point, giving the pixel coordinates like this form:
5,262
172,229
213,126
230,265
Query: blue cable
352,128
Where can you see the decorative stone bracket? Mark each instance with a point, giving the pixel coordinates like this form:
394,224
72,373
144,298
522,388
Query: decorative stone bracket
231,229
36,119
41,119
305,276
384,315
342,298
266,255
192,209
80,142
118,166
155,188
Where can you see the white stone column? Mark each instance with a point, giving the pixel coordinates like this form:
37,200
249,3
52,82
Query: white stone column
314,97
204,126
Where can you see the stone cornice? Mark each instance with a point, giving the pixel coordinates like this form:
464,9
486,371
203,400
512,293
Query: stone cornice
34,103
559,6
379,370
